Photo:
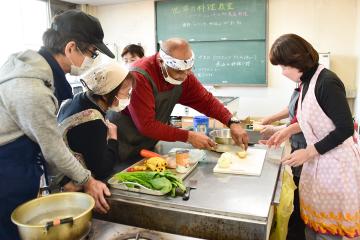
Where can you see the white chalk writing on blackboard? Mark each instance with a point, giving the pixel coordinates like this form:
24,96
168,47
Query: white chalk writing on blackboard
218,62
232,14
227,57
233,64
202,75
205,24
209,7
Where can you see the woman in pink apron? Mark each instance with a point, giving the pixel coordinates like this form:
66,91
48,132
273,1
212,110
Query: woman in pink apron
330,179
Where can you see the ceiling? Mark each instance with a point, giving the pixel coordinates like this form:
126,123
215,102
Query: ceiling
100,2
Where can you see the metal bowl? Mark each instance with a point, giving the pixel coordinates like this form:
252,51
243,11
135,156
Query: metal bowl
222,136
57,216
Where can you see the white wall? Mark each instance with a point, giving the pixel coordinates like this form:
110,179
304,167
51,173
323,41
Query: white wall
328,25
357,102
22,29
129,23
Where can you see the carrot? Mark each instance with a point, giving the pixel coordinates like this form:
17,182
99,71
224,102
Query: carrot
148,154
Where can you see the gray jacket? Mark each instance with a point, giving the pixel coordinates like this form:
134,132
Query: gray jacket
28,107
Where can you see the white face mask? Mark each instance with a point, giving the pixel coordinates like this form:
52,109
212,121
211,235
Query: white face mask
86,65
127,65
122,104
168,78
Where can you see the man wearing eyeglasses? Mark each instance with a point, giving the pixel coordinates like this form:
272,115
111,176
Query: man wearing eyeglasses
31,86
163,80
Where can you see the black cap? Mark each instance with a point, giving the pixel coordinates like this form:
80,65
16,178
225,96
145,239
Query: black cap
82,27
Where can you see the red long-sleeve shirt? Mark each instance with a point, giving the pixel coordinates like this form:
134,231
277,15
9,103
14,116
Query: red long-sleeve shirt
142,103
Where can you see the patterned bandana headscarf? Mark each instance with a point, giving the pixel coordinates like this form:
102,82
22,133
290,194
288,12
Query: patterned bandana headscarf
177,63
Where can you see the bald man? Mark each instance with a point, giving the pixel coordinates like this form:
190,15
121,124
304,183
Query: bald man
163,80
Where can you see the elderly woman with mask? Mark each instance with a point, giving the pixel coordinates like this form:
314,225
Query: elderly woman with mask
91,138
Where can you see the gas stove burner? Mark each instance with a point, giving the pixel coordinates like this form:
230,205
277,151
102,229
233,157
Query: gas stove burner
137,236
103,230
123,234
141,235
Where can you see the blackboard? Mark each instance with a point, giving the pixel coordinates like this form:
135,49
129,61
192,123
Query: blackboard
211,20
230,62
228,37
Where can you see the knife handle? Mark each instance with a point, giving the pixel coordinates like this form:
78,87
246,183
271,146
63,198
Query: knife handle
187,194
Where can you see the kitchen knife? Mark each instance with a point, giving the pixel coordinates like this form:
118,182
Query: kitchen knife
192,185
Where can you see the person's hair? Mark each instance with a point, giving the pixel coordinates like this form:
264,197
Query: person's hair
55,42
110,97
294,51
134,50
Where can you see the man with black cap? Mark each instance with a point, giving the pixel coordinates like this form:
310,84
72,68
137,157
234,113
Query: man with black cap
32,84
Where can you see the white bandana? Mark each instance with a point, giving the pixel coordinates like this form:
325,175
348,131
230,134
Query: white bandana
177,63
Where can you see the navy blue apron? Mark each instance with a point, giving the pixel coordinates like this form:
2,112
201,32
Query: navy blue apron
20,172
297,140
130,140
296,227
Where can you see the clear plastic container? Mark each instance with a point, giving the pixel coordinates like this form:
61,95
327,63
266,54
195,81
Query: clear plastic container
182,160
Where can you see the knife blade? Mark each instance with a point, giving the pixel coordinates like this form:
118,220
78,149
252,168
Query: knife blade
192,185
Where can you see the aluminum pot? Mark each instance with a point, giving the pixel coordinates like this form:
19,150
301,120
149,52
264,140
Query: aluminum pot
56,216
222,136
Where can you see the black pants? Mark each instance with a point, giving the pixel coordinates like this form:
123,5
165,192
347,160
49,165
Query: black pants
296,226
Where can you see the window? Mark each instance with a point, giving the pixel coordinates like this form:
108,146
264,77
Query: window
22,23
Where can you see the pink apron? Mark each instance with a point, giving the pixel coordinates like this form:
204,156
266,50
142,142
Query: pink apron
330,183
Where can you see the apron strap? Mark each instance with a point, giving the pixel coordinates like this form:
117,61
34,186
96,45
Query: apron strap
77,119
147,76
88,115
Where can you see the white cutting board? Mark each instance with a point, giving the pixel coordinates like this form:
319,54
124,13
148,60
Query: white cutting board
251,165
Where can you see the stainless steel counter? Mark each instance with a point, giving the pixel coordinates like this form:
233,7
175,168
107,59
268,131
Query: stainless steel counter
223,206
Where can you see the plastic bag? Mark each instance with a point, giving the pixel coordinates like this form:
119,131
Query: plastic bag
284,210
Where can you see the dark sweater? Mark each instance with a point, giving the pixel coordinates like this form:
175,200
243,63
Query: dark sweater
90,138
331,96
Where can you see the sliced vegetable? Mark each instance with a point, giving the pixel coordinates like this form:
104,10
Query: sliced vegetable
242,154
157,164
140,168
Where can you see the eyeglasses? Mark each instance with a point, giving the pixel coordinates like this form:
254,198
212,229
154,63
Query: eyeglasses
126,95
94,54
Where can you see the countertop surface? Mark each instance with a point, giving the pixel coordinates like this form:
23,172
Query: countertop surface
232,196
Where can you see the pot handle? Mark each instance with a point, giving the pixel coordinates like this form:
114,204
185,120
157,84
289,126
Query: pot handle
57,222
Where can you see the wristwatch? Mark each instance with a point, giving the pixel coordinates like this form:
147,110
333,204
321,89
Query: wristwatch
233,120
